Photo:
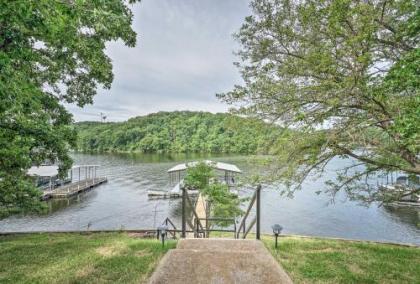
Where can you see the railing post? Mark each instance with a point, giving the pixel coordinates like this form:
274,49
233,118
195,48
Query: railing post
196,228
184,220
258,211
206,234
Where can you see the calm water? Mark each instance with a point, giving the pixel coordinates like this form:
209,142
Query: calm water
123,203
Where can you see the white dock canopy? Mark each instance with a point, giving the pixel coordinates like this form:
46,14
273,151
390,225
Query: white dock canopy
52,170
43,171
216,165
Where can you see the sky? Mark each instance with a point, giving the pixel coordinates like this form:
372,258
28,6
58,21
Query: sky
183,57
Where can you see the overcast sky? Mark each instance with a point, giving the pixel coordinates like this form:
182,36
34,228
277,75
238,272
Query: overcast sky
184,56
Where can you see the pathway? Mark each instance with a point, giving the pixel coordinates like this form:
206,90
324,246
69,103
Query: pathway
219,261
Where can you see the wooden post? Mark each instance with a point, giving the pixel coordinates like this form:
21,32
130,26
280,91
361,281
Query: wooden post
196,228
206,235
184,220
258,211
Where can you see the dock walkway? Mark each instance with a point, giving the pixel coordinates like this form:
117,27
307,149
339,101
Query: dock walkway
201,210
68,190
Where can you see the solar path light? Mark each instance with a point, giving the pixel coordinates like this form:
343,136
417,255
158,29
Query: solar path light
276,230
162,231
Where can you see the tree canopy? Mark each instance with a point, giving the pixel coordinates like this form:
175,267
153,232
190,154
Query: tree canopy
179,132
51,51
345,75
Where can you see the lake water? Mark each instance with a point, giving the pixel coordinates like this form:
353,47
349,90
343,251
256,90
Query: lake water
123,203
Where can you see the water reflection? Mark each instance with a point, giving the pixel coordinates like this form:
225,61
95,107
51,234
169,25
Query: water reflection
407,214
60,204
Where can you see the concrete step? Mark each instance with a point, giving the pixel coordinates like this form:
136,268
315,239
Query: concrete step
221,244
219,261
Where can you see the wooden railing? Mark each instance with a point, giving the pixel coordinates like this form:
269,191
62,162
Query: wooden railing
197,227
201,231
243,229
216,219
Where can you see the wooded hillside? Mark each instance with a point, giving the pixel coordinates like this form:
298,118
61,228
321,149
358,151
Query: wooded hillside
179,132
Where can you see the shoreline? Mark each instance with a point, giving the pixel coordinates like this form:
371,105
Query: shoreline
149,232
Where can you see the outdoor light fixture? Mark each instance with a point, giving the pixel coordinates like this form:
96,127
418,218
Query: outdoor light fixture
276,230
162,231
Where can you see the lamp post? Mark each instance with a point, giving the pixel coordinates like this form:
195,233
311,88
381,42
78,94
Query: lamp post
276,230
162,231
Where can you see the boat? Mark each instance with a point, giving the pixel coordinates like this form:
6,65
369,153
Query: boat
406,188
226,174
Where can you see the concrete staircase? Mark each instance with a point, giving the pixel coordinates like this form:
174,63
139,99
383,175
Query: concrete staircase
219,261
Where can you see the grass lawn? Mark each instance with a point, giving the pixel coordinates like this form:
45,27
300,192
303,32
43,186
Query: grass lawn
119,257
75,258
312,260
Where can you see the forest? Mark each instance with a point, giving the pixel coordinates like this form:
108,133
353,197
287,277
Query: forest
179,132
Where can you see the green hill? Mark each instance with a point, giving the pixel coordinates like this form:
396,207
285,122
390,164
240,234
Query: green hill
179,132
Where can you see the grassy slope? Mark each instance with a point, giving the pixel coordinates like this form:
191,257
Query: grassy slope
74,258
311,260
117,257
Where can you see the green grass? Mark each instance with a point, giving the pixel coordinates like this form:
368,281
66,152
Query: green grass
312,260
121,258
75,258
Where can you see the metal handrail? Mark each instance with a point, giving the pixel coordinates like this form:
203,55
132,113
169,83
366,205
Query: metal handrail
256,198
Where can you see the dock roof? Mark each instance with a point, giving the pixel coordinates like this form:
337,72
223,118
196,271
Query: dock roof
43,171
216,165
51,170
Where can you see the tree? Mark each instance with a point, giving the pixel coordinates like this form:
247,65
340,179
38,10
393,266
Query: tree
345,76
51,51
223,203
179,132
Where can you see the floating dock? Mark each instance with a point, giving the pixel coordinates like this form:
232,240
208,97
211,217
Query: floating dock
73,188
173,193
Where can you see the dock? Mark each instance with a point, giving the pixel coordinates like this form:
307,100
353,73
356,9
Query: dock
74,188
173,193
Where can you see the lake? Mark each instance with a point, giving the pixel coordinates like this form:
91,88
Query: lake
122,203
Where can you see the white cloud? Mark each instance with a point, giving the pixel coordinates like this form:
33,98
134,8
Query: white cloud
183,57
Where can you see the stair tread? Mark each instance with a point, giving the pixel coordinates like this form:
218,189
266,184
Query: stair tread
221,244
208,265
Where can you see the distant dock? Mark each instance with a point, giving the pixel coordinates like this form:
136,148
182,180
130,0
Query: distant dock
73,188
46,178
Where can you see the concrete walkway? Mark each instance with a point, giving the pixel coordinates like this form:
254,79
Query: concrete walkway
219,261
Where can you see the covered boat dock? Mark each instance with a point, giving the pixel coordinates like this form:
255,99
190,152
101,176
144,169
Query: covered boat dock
177,173
79,178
